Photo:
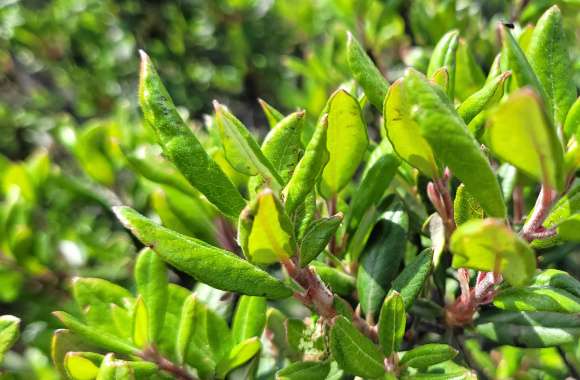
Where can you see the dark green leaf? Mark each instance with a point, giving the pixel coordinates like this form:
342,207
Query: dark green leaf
304,371
317,236
428,355
392,323
410,281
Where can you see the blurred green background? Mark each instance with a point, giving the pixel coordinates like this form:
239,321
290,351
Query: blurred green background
69,116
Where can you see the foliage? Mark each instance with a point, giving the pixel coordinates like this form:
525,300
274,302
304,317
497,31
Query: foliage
415,216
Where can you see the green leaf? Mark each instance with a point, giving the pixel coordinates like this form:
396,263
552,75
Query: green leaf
346,141
317,236
186,328
557,279
113,369
9,332
381,259
239,355
468,74
89,291
63,342
372,187
270,239
428,355
365,72
354,352
441,78
452,143
529,329
549,58
568,229
392,322
410,281
141,324
241,150
537,299
213,266
79,367
95,335
405,134
489,245
338,281
519,133
487,96
304,371
466,207
283,146
572,125
151,279
272,114
309,168
249,318
520,67
181,146
445,55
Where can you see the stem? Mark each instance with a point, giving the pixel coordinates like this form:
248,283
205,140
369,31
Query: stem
541,209
331,211
518,201
152,355
571,367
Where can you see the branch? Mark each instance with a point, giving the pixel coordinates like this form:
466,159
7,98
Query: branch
178,372
541,209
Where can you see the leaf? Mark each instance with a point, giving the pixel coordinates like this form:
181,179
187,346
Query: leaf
410,281
113,369
444,55
283,146
441,78
181,146
317,236
520,67
405,134
304,371
381,259
568,229
309,168
428,355
249,319
270,239
572,125
272,114
241,150
466,207
548,57
537,299
239,355
392,322
373,185
354,352
452,143
9,332
365,72
141,324
557,279
78,367
89,291
529,329
95,335
151,280
488,95
519,133
338,281
489,245
186,328
63,342
468,74
213,266
346,141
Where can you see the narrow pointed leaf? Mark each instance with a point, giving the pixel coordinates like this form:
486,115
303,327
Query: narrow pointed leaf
309,168
140,324
304,371
445,55
392,323
213,266
428,355
272,114
366,73
490,94
151,280
519,133
186,328
249,318
241,150
468,74
181,146
317,236
240,354
537,299
354,352
410,281
549,58
346,141
489,245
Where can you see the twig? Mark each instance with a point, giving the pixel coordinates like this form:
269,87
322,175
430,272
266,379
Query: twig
541,209
571,367
152,355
